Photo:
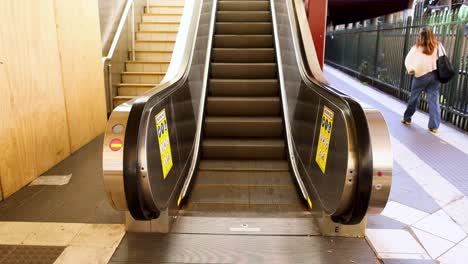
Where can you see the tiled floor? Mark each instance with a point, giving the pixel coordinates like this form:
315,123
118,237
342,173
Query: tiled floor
428,207
74,215
79,243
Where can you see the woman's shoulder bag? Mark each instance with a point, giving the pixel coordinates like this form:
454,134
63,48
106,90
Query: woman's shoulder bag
445,70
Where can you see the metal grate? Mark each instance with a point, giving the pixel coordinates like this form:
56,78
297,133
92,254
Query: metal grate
20,254
376,54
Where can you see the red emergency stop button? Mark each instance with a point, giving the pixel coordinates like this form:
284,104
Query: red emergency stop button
115,144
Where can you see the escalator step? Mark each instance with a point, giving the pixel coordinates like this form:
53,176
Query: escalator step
248,195
243,41
236,87
244,28
243,170
253,210
243,165
243,127
243,55
245,178
244,70
243,106
243,16
243,6
243,148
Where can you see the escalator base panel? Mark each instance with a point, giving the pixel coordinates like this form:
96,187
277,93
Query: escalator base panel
246,226
245,210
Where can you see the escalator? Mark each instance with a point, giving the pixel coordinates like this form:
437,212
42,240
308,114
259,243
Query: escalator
243,167
247,128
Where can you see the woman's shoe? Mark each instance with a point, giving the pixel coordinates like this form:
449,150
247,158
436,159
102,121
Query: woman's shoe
405,122
433,130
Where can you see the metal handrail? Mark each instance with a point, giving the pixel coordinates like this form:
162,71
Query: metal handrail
198,133
123,18
128,9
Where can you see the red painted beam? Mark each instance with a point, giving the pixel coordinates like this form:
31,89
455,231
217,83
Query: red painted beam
317,16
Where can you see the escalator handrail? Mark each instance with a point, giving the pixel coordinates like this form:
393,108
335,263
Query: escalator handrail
361,197
201,111
291,152
134,196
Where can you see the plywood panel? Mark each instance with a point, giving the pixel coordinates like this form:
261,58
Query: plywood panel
5,83
33,127
83,81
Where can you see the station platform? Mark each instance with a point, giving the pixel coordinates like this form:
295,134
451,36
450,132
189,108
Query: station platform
426,220
427,215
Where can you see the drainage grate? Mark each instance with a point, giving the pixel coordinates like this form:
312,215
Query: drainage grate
5,250
20,254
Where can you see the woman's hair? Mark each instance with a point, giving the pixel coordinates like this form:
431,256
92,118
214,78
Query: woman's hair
426,41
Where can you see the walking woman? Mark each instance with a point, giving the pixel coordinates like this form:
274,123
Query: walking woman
421,62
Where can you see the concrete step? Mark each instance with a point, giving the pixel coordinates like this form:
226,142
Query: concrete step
160,18
163,9
237,87
166,45
118,100
153,26
156,35
142,77
253,127
133,89
243,106
147,66
152,55
168,2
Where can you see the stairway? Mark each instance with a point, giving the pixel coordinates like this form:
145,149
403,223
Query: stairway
155,40
243,169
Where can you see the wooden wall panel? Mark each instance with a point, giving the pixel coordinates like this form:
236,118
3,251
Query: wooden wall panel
79,41
4,106
33,127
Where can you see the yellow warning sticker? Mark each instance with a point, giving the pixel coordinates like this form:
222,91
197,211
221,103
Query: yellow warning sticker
164,143
324,138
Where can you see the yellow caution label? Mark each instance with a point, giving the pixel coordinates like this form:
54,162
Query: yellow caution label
164,143
324,138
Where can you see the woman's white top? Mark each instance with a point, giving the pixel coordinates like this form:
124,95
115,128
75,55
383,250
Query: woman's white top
419,64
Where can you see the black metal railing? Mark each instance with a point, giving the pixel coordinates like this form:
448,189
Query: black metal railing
376,54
